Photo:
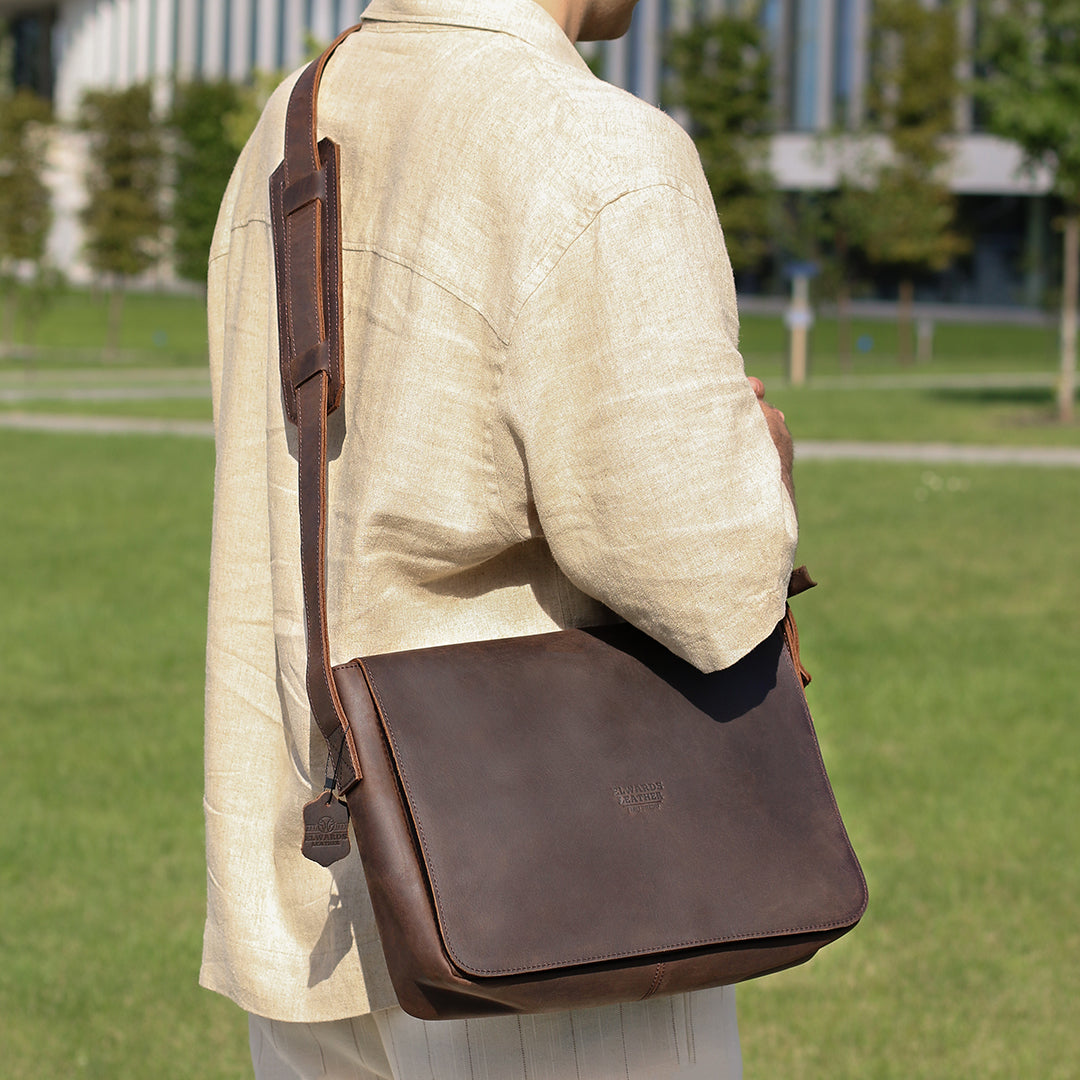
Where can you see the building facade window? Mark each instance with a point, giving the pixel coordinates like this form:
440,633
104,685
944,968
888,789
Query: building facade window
279,55
32,51
843,63
804,63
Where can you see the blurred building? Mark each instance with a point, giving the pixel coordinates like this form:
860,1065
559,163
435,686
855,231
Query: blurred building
62,48
821,70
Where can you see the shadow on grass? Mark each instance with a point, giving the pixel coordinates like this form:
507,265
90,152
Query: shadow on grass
1015,406
994,395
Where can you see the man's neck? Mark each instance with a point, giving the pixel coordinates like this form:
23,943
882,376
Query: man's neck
564,13
591,20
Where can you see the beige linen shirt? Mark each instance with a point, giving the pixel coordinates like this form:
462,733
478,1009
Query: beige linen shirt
545,421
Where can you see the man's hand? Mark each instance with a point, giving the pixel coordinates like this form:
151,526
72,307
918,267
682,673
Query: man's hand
780,435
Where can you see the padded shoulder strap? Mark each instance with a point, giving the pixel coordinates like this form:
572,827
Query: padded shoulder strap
306,216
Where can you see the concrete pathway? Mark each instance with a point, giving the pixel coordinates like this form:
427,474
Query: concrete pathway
1066,457
47,380
147,384
79,424
1061,457
991,380
15,394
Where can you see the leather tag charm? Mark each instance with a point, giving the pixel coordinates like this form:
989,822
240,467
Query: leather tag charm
326,830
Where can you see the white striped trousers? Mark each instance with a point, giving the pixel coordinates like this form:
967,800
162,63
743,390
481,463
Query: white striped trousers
685,1037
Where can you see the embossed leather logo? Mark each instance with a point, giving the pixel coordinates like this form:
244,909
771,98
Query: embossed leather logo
326,831
637,798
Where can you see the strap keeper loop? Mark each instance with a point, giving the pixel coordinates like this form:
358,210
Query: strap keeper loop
307,189
309,363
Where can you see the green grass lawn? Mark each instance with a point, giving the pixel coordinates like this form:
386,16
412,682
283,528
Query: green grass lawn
157,328
957,347
163,329
943,641
166,336
105,545
1018,417
164,408
1023,416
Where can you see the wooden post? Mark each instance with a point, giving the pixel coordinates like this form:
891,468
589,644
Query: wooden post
924,339
799,319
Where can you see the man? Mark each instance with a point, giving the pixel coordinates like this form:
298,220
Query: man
546,421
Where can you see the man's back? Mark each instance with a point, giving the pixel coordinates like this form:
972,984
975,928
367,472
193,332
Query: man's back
545,417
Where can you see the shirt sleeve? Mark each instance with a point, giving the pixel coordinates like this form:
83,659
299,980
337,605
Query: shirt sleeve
649,462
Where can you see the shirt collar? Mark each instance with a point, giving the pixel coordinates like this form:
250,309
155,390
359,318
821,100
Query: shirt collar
524,19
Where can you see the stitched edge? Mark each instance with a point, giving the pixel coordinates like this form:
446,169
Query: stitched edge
848,919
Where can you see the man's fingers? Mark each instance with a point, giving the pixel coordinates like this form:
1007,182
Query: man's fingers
759,391
771,410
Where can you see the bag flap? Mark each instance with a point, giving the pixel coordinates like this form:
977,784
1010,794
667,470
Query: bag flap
583,796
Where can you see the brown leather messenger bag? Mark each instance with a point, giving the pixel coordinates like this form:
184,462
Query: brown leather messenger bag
554,821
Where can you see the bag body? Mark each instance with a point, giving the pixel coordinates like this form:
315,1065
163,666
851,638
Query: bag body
577,818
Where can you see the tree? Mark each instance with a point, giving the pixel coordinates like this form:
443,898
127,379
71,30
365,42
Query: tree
816,229
240,121
253,95
123,217
721,77
1031,88
901,214
204,160
843,228
25,207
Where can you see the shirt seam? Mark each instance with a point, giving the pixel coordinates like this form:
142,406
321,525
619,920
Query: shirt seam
500,514
671,184
219,253
501,518
358,246
604,172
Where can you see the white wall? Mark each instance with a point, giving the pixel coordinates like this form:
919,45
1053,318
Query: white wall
113,43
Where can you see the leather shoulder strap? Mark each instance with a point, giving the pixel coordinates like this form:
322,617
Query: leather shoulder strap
306,218
305,213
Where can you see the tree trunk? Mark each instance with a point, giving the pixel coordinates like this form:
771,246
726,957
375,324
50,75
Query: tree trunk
843,326
1069,291
904,316
7,330
116,316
